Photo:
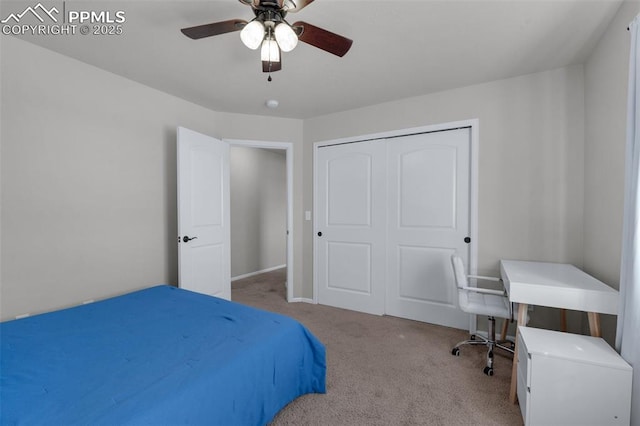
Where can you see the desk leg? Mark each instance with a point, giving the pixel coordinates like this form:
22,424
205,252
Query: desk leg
563,320
594,324
505,329
521,320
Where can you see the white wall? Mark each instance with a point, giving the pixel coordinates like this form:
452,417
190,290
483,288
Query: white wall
606,80
258,209
606,83
89,179
531,158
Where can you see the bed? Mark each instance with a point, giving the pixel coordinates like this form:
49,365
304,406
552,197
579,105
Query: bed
159,356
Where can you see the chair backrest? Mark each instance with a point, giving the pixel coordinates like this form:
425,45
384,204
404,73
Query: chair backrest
466,300
461,281
458,271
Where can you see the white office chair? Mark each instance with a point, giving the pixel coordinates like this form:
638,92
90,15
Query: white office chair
482,301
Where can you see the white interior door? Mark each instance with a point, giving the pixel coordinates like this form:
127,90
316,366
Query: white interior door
390,213
350,226
428,220
203,214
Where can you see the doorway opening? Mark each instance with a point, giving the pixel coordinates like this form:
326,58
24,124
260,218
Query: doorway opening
262,213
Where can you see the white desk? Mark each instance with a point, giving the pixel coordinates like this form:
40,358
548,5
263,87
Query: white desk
556,285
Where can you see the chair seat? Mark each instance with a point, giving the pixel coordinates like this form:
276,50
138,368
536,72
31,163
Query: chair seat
487,304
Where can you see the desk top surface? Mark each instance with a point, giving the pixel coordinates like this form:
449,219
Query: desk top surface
557,285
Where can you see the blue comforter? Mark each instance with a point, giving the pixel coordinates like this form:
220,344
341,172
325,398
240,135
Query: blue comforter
160,356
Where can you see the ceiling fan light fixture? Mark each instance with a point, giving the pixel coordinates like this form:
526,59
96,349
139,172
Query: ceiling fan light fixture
288,5
270,31
270,51
252,34
286,37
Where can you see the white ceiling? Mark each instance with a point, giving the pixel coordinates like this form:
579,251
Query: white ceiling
401,49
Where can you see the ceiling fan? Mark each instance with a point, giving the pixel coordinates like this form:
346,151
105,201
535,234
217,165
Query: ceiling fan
270,31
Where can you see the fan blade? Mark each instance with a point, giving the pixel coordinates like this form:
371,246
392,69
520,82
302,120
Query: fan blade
323,39
216,28
275,66
295,5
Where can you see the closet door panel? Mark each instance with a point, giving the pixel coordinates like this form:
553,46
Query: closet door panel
428,219
427,188
350,226
390,213
349,190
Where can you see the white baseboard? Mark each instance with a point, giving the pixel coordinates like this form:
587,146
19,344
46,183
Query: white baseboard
301,300
251,274
485,334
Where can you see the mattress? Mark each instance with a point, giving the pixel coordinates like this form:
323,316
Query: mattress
158,356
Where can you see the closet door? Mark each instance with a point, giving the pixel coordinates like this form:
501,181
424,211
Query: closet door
350,226
428,220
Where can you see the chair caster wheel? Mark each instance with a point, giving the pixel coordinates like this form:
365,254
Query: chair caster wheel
488,371
455,352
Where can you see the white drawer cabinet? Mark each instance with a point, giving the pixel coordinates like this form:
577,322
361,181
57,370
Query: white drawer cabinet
570,379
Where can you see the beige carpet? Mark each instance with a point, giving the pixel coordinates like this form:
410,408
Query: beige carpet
386,370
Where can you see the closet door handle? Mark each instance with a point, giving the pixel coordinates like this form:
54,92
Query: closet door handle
319,234
186,239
